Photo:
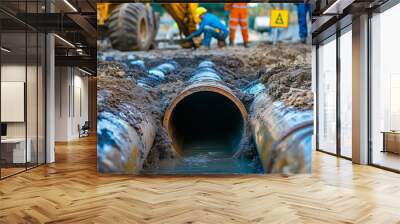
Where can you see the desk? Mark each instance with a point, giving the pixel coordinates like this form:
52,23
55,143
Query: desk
391,141
17,150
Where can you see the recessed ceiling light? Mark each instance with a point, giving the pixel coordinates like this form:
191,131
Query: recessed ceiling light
70,5
64,40
84,71
337,7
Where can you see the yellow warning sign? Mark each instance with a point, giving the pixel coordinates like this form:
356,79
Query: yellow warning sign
279,18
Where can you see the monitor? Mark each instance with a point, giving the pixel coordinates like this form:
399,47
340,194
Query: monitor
3,129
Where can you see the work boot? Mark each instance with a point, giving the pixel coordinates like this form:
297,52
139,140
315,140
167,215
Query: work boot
221,43
246,45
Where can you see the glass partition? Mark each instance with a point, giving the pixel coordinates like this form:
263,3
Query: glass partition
41,97
385,89
13,105
22,77
327,96
346,93
32,98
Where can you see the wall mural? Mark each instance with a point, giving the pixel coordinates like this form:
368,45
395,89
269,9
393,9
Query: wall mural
180,92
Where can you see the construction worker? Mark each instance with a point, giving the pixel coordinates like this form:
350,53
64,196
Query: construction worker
212,27
238,16
227,11
303,9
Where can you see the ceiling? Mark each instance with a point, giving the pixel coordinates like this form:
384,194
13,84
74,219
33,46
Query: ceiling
74,22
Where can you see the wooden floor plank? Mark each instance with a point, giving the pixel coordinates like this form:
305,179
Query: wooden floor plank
71,191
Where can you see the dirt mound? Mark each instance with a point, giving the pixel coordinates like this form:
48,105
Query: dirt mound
290,84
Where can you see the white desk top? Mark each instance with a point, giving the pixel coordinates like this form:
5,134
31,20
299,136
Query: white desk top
13,140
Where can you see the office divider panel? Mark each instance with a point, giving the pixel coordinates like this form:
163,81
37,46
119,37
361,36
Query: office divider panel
15,149
385,87
346,94
327,96
22,61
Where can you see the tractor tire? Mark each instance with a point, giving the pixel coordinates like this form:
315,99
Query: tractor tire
130,27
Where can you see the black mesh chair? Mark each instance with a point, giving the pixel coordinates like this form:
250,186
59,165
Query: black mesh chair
84,130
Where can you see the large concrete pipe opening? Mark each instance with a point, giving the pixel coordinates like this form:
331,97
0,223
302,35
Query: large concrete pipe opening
206,119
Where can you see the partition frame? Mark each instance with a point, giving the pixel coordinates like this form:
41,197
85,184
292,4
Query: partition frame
339,32
381,9
43,54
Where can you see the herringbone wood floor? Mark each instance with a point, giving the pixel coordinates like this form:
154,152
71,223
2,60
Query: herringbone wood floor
70,191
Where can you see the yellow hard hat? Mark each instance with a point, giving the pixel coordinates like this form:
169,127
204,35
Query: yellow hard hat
200,11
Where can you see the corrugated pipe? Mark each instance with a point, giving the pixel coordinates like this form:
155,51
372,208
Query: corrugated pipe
205,114
283,136
120,147
157,74
123,148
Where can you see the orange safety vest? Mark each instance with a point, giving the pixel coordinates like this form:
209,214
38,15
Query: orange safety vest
228,6
239,11
240,5
238,16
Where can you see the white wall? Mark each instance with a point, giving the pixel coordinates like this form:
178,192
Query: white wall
12,73
81,102
13,100
71,102
33,126
62,81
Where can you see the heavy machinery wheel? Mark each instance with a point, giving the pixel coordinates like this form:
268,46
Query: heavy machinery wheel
156,24
130,27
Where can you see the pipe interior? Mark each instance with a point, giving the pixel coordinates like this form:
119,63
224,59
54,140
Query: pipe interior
207,121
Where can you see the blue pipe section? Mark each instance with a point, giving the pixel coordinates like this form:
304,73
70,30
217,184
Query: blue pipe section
205,72
139,64
283,135
157,74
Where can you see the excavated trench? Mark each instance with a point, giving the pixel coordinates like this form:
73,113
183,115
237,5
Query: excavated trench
206,128
206,121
